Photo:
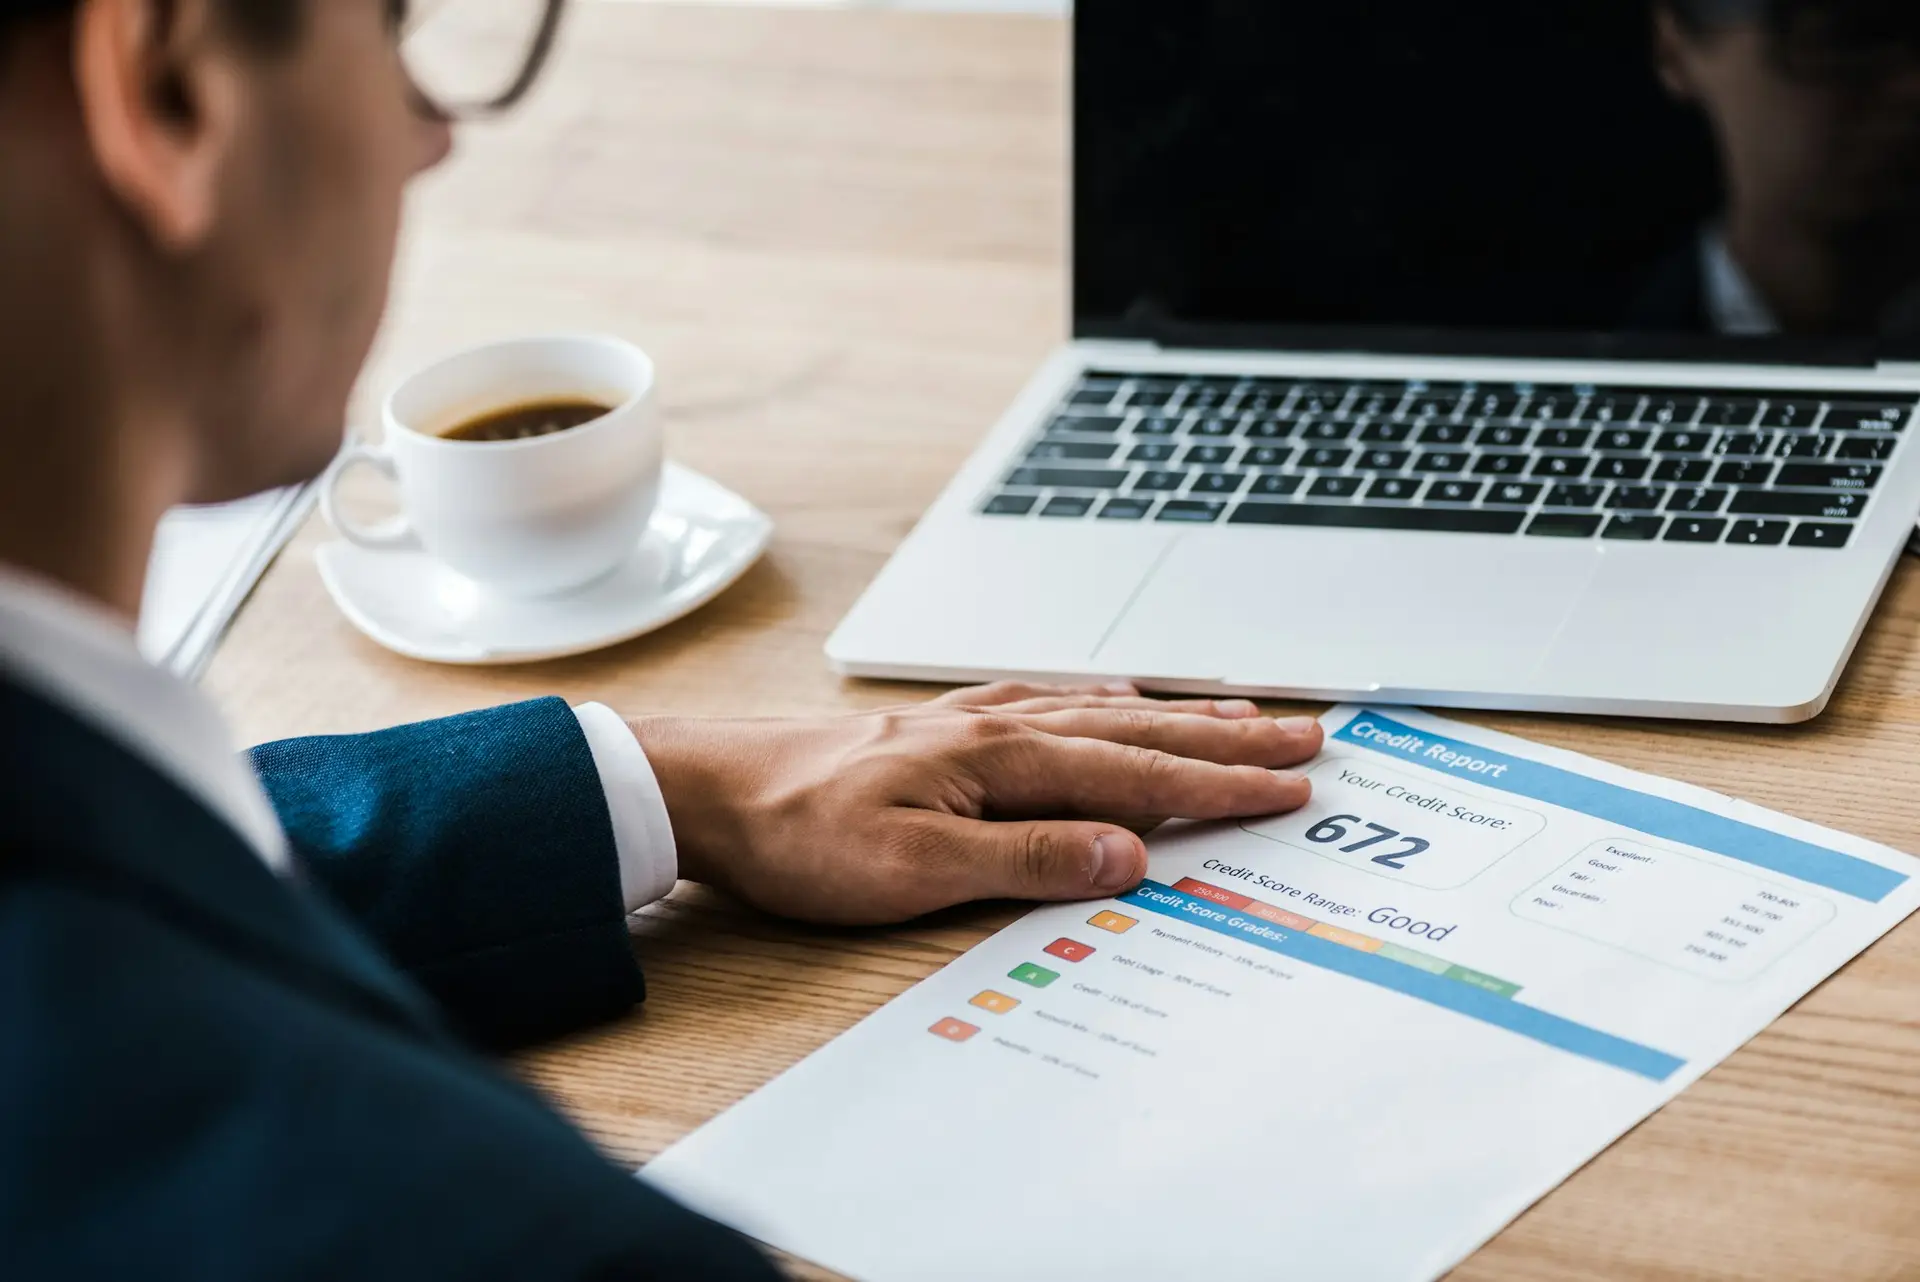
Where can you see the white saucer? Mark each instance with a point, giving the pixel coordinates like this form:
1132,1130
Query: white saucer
702,538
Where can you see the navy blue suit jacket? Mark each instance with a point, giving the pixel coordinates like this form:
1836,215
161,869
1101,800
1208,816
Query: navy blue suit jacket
209,1071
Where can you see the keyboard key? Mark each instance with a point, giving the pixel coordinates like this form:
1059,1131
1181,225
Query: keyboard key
1640,528
1205,396
1637,498
1663,410
1868,447
1216,425
1068,478
1010,504
1834,507
1515,493
1207,455
1621,469
1435,403
1455,491
1624,440
1153,482
1694,529
1793,415
1084,423
1395,489
1441,461
1492,405
1152,452
1813,534
1218,483
1500,465
1360,517
1326,458
1833,476
1575,495
1083,451
1269,429
1064,506
1806,447
1125,509
1858,416
1386,433
1445,434
1375,402
1158,425
1190,511
1682,442
1696,500
1506,436
1742,444
1684,470
1568,466
1094,395
1383,460
1743,473
1280,486
1150,396
1324,430
1563,438
1317,400
1564,525
1266,456
1611,407
1758,533
1552,405
1730,411
1335,487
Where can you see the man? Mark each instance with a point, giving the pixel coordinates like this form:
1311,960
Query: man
211,1063
1814,107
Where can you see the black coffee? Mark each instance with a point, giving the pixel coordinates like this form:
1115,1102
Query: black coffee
521,422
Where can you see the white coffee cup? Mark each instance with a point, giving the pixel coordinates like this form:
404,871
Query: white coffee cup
529,517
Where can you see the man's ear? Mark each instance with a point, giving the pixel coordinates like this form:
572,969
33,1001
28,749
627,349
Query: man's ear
159,91
1672,55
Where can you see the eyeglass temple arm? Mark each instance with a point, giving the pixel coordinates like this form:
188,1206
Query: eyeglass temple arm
529,70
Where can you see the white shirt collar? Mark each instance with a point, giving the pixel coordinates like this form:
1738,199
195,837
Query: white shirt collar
1733,304
81,657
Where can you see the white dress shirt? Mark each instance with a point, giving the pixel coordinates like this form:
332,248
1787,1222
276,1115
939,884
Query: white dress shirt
83,658
1734,306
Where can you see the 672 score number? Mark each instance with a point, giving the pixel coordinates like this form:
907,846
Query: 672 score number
1335,829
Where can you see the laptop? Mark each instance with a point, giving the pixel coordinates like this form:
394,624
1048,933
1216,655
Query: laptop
1557,357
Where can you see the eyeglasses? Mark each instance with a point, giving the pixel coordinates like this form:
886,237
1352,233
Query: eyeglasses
473,58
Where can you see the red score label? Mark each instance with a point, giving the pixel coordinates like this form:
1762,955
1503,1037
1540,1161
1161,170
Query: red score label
1069,950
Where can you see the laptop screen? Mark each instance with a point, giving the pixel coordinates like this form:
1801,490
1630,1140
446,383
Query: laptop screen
1694,179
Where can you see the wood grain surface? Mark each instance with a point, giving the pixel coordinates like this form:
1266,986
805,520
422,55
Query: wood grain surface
841,234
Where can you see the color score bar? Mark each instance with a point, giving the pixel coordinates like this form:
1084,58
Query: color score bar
1418,982
1344,937
1639,811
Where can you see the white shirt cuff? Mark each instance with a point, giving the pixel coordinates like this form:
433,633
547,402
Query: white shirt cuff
642,830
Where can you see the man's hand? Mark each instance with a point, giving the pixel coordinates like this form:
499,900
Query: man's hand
1003,791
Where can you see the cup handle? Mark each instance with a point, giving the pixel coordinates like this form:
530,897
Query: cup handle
395,534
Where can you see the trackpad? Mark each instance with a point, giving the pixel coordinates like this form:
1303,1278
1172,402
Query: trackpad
1346,611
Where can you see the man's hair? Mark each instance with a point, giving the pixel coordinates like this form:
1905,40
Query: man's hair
264,24
1861,19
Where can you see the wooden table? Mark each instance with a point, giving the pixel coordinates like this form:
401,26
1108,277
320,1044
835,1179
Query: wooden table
841,234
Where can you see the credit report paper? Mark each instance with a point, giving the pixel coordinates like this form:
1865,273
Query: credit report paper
1347,1043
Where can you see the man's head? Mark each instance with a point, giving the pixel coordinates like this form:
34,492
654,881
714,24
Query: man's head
199,201
1816,104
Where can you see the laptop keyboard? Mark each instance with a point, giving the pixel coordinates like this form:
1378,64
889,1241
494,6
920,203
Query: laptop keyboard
1684,465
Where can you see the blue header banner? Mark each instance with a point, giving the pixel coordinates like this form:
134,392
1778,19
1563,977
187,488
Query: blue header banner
1639,811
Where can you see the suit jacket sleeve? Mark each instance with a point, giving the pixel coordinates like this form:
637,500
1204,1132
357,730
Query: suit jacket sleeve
478,852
